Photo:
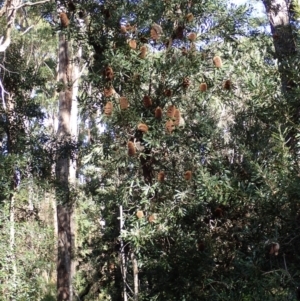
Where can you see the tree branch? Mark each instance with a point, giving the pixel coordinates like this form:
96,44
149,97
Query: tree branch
30,4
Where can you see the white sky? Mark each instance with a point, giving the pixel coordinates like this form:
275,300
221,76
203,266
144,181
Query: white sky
257,5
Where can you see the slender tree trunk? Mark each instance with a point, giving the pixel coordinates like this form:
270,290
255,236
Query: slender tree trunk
123,257
279,17
135,277
73,161
278,12
12,256
64,208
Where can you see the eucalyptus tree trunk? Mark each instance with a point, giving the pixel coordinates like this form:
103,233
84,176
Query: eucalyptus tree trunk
279,12
62,170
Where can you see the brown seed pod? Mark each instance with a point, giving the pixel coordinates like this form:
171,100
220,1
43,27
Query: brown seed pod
152,218
71,6
169,126
186,82
192,36
158,113
64,20
140,214
201,246
189,17
123,103
203,87
168,92
132,44
177,117
123,29
143,52
147,101
108,92
155,31
217,61
161,176
188,175
108,108
171,111
218,212
143,127
108,73
179,32
131,148
227,84
274,248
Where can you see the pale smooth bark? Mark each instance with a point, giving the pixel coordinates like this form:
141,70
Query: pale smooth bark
135,277
62,169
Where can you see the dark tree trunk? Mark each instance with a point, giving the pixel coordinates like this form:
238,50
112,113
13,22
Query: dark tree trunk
64,208
278,12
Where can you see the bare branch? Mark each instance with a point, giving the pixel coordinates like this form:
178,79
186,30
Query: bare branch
30,4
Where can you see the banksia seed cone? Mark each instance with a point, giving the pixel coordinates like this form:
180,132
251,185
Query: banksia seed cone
171,111
132,44
143,127
201,246
71,6
227,84
168,93
192,36
108,92
131,149
203,87
108,108
274,248
147,101
155,32
152,218
186,82
158,113
177,116
179,32
161,176
188,175
64,19
169,126
123,103
218,212
190,17
108,73
140,214
143,52
217,61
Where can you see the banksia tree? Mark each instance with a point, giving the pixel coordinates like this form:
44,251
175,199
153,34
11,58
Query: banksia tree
216,160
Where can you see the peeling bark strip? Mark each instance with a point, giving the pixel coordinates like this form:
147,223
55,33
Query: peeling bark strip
64,206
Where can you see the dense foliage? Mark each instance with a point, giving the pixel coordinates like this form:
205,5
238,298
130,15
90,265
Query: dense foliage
187,154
